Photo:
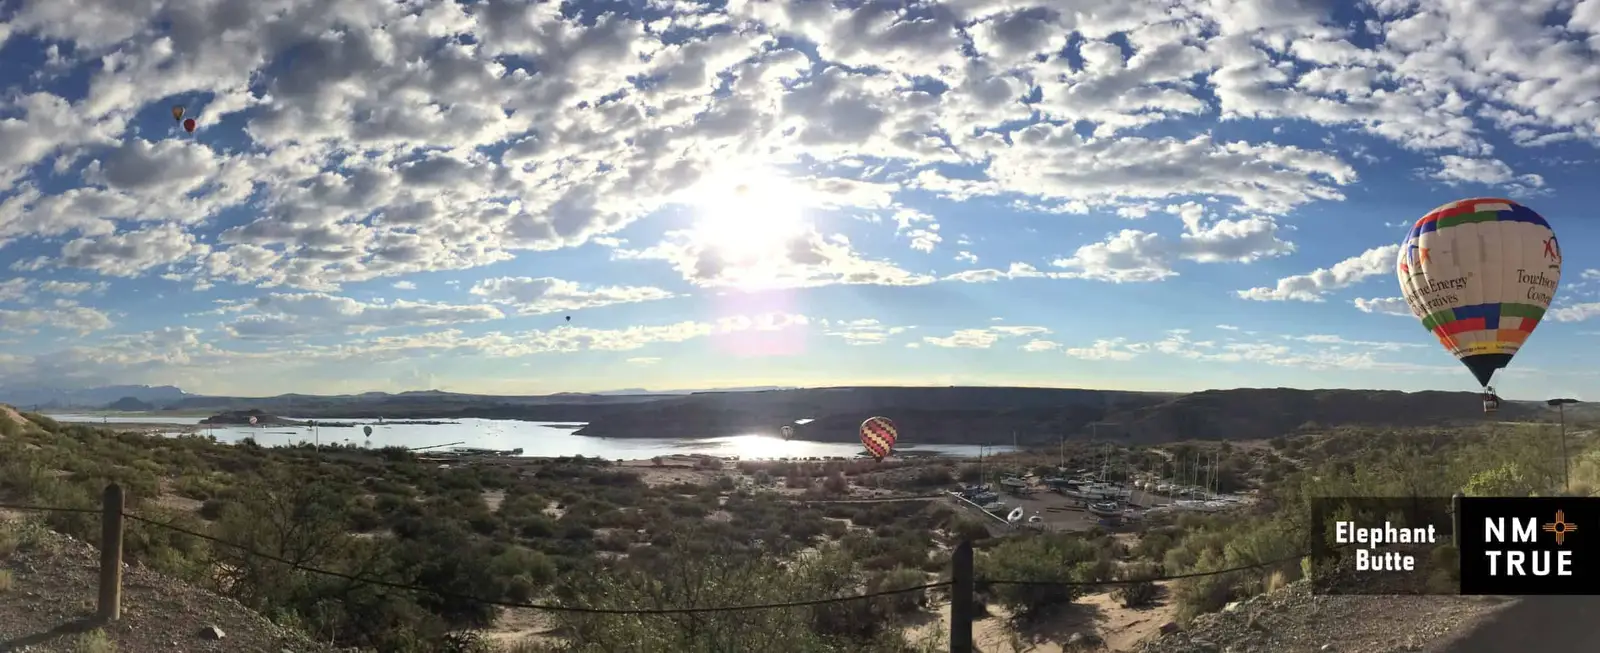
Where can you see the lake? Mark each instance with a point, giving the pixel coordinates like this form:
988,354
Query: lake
535,439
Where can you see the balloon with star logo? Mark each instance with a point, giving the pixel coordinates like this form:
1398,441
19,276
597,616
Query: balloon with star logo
1479,274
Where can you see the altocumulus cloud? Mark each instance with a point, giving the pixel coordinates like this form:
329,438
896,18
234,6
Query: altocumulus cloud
385,139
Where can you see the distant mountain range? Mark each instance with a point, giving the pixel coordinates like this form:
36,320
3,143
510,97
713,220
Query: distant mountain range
642,391
97,398
928,415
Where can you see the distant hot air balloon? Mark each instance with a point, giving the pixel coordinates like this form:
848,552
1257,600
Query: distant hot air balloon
569,318
787,432
1480,274
177,112
878,436
188,125
367,430
252,420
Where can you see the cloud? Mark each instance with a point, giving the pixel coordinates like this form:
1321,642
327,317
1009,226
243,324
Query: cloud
1131,256
397,139
1575,312
1112,349
1317,352
289,315
805,260
196,354
1489,172
862,332
549,295
1385,305
1312,286
644,360
985,337
81,320
1016,271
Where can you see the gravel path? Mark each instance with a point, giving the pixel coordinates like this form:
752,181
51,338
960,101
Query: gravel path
53,588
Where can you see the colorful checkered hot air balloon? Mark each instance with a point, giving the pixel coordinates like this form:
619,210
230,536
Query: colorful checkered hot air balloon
1480,274
878,435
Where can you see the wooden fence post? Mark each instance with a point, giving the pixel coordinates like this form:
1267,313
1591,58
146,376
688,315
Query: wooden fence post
961,591
110,608
1455,520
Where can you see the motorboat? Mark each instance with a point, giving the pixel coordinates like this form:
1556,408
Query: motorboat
1105,509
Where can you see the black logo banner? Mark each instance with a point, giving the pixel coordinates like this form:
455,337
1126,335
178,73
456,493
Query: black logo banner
1532,545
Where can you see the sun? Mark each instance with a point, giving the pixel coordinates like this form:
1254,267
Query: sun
748,216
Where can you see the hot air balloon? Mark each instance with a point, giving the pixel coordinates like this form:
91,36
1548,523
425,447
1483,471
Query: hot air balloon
878,435
367,430
1480,274
177,112
188,125
787,432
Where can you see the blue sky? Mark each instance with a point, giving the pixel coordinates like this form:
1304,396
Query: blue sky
382,195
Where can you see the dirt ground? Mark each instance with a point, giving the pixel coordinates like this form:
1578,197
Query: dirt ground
518,625
1098,616
672,471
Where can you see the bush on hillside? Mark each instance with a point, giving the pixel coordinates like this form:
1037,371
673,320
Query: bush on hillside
1138,592
1060,557
1507,480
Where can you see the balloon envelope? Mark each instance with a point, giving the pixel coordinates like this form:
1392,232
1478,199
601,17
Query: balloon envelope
367,430
188,125
787,432
878,435
1480,274
177,112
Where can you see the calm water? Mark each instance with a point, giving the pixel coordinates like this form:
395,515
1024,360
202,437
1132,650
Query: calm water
533,438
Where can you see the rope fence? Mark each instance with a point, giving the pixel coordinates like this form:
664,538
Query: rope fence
963,583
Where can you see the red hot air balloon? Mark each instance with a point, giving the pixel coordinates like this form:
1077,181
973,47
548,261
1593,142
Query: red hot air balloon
878,435
188,125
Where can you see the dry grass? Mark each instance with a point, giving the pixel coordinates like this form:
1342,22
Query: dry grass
6,579
95,641
1278,580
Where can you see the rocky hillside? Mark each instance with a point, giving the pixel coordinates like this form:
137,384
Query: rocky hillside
48,586
1293,620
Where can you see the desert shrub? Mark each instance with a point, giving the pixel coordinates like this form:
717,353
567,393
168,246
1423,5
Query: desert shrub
1045,557
1139,593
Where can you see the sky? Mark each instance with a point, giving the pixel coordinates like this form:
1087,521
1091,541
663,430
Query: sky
526,198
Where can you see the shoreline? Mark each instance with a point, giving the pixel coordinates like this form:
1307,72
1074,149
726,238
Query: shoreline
164,428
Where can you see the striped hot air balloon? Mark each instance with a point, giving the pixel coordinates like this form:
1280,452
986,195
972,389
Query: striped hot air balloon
787,432
878,436
1480,274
